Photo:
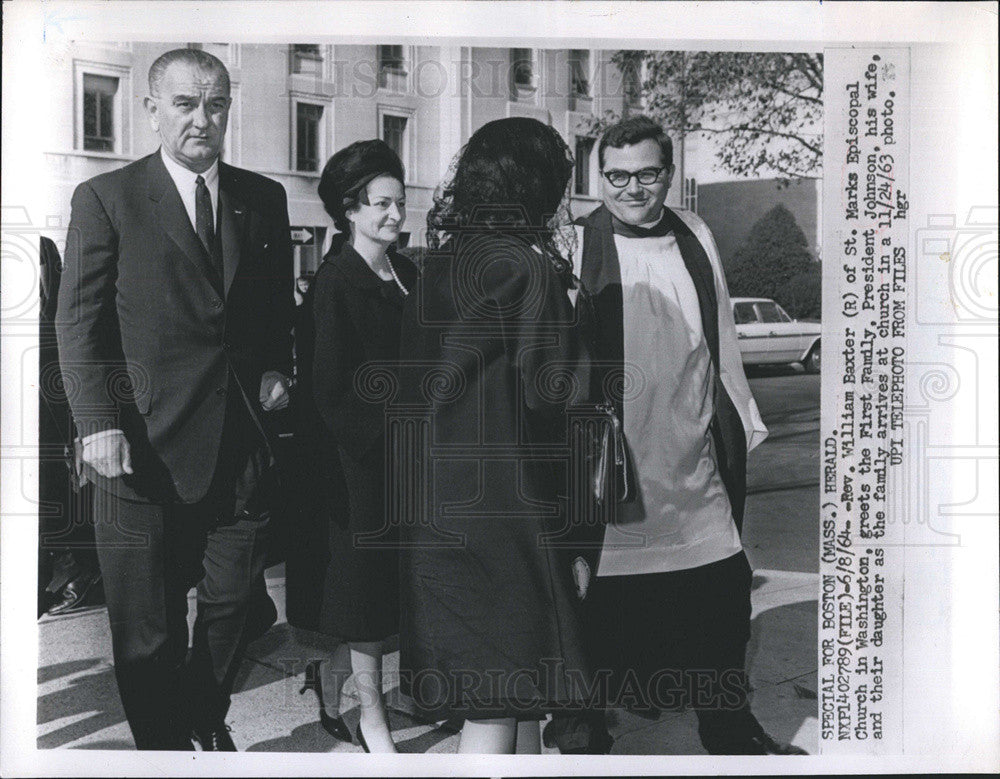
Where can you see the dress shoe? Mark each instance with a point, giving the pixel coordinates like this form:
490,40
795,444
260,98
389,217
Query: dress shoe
64,569
768,746
75,592
759,743
214,739
335,726
600,744
599,741
361,738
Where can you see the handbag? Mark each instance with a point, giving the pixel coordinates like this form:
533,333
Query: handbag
609,473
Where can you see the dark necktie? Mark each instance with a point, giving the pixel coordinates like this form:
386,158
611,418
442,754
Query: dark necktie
204,218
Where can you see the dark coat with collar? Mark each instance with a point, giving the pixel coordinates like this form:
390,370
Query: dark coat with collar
151,338
356,317
494,358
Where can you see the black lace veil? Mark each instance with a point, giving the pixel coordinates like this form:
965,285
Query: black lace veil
514,175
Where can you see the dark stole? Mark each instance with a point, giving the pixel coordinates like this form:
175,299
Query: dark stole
601,277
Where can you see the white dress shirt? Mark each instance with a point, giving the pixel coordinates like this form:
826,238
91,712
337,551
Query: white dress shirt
186,182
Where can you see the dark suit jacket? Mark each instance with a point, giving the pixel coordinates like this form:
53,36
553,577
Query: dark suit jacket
150,335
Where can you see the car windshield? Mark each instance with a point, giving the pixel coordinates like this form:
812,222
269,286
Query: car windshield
744,314
772,312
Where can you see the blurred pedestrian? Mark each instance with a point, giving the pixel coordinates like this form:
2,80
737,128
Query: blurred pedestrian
69,575
302,284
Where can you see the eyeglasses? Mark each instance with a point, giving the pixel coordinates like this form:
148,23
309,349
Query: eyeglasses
622,178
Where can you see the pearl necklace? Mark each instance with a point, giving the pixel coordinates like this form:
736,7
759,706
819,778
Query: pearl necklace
392,270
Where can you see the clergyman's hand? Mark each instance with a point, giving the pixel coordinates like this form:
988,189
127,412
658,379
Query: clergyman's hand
581,575
273,391
108,454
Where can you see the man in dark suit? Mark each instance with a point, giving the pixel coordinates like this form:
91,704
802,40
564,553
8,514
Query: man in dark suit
174,330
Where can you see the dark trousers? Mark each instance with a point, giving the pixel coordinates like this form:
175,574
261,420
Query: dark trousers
150,556
669,641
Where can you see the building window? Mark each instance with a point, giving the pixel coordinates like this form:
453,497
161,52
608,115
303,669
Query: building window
102,116
583,160
392,70
579,80
632,85
394,133
99,109
308,137
523,73
690,190
227,52
397,126
579,73
307,59
232,144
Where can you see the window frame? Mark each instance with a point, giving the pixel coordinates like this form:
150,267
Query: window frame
409,133
121,116
638,102
103,131
308,122
525,92
689,194
573,65
322,134
295,56
591,170
398,80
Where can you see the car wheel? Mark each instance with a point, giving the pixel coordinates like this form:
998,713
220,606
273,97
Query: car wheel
811,362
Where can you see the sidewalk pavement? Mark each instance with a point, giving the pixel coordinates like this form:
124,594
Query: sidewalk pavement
78,704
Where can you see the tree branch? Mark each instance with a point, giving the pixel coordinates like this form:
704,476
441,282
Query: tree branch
763,131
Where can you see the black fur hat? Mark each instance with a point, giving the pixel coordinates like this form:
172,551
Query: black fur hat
348,172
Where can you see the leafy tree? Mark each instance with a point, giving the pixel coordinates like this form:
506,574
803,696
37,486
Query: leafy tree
802,296
766,108
775,253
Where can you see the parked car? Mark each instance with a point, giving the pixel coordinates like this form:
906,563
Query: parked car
769,336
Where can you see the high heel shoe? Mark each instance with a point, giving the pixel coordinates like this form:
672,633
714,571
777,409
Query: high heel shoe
335,726
361,738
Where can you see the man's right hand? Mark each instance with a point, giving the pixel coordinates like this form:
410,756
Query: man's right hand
581,577
108,454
